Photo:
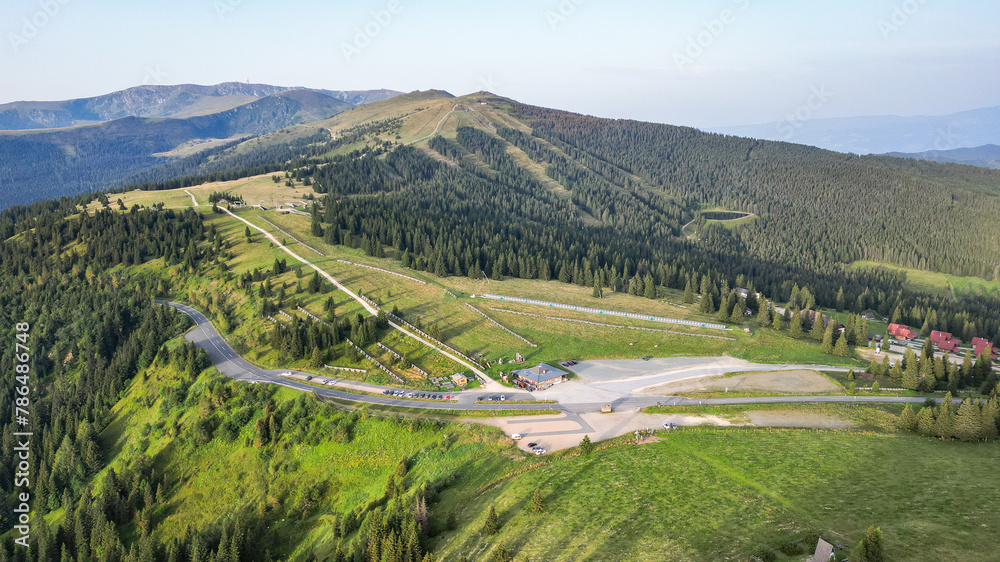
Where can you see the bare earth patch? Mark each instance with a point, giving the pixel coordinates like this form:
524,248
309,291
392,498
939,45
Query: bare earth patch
803,381
793,418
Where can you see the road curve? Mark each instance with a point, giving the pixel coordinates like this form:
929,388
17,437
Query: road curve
488,383
231,364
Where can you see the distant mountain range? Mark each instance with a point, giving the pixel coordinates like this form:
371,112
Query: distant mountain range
178,102
882,134
68,147
987,156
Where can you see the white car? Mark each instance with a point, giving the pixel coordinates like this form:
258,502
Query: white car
540,451
515,436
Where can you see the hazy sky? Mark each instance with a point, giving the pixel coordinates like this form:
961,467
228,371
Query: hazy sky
701,63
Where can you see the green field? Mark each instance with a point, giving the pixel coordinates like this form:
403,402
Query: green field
936,283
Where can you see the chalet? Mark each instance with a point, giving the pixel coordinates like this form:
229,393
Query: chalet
459,379
869,316
980,345
902,332
944,340
824,552
540,376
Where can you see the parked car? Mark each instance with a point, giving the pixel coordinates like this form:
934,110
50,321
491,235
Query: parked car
503,397
387,391
645,358
540,451
515,436
532,445
448,397
309,378
670,425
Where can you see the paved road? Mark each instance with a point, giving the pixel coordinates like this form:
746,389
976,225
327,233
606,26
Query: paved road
229,363
488,384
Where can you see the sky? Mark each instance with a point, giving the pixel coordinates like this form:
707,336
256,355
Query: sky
702,63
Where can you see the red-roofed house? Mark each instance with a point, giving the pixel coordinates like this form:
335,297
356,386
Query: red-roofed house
900,331
979,345
944,340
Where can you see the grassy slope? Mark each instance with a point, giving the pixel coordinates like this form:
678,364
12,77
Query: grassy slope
699,494
721,494
462,327
934,282
209,481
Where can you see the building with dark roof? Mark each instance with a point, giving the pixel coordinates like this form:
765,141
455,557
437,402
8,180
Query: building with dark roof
540,376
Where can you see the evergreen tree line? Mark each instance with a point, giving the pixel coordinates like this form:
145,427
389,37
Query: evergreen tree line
972,420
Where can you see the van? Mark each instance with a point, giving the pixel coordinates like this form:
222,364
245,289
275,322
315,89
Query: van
515,436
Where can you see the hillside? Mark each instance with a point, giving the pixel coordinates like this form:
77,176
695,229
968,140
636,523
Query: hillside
177,102
146,453
48,163
599,202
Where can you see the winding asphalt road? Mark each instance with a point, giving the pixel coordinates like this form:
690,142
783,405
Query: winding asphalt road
231,364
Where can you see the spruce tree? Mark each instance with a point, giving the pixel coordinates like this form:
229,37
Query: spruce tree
778,322
586,446
795,326
537,505
828,336
841,349
870,547
967,422
925,421
908,420
819,329
688,293
492,524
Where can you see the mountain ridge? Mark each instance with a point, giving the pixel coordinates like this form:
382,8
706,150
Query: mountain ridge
881,134
177,101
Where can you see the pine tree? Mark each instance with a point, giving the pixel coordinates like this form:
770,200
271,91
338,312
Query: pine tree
688,293
795,326
764,316
597,290
925,421
492,524
828,337
911,377
870,547
908,420
586,446
537,505
841,349
778,321
818,332
967,422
